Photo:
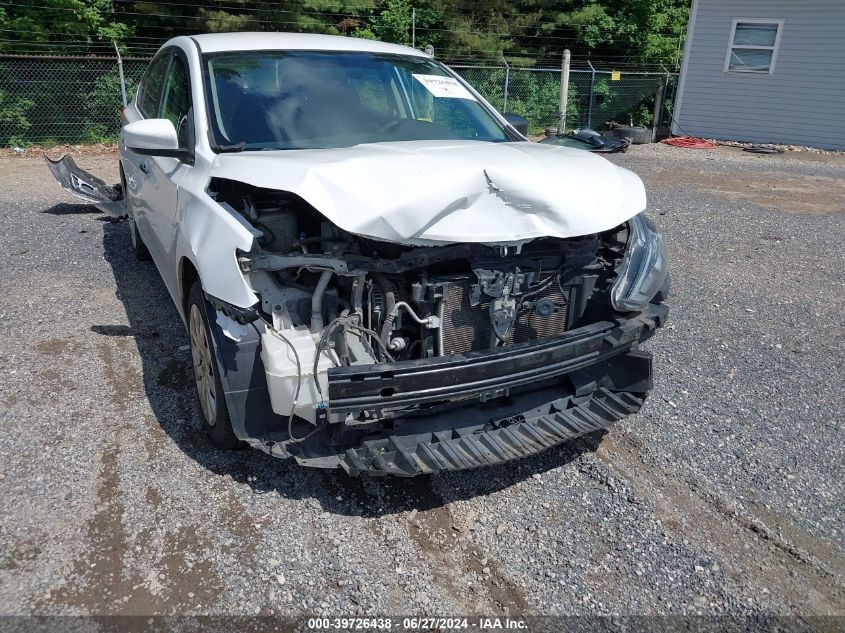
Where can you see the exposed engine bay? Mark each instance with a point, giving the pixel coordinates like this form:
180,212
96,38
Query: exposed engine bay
339,299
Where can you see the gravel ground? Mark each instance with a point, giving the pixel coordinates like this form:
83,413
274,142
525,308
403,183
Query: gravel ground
724,495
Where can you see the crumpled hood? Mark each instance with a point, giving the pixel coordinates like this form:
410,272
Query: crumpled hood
427,192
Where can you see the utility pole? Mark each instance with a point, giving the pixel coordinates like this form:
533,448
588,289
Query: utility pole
564,90
413,27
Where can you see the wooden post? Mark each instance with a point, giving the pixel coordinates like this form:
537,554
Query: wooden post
658,109
564,90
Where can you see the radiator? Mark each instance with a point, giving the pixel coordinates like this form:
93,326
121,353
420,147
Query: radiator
466,328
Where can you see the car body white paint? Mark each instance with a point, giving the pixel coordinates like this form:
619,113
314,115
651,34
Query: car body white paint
263,41
196,228
436,192
150,134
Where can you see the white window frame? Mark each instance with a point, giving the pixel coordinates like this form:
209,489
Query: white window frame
773,49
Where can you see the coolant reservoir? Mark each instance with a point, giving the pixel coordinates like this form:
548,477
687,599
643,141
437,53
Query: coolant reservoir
280,368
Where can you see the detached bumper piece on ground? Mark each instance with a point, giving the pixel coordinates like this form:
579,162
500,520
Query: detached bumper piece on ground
591,141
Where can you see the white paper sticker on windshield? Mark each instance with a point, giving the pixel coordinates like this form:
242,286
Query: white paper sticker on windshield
441,86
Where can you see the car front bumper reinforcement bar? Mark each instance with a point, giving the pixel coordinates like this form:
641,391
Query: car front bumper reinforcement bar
394,386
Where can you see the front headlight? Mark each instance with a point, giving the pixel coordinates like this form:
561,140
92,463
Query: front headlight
643,271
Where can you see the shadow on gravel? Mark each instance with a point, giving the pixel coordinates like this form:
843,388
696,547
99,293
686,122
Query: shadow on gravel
64,208
162,342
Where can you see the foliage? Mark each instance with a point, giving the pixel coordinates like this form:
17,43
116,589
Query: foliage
102,107
82,22
13,121
536,96
526,31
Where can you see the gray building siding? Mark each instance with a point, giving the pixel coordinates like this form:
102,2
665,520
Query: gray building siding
801,103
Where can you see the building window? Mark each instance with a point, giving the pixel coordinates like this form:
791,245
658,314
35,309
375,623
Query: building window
753,46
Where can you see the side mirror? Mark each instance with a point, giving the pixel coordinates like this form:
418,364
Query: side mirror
519,123
154,137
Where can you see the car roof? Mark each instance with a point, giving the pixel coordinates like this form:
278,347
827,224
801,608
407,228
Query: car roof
223,42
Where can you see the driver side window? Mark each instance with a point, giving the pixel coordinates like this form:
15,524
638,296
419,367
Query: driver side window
150,91
176,100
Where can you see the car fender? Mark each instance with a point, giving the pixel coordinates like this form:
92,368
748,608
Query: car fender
209,236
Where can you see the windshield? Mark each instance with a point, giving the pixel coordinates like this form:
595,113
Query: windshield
307,99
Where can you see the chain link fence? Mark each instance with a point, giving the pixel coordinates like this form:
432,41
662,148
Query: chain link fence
57,100
51,100
595,97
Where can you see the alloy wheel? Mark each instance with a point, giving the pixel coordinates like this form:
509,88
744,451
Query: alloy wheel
203,366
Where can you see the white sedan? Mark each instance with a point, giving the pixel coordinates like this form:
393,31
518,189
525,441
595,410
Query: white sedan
378,271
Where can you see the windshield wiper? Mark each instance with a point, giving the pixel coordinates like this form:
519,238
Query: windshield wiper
228,149
224,149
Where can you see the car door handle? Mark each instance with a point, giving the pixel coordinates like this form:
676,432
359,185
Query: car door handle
143,167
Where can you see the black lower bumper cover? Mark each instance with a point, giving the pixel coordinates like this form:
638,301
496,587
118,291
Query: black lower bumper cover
602,379
516,436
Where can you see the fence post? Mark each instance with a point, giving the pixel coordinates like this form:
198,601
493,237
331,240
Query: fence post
665,91
658,107
120,72
590,102
564,90
507,79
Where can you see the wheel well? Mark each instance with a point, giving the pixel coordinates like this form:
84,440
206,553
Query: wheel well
187,276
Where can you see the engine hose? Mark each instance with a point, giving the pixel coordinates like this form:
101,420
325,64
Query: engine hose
386,328
410,311
387,290
317,302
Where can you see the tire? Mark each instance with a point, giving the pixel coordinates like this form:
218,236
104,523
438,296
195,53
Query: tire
637,135
212,402
139,249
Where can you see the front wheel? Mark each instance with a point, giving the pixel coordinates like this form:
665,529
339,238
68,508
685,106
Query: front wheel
206,375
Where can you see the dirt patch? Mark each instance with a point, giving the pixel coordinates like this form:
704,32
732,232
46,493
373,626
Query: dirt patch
431,531
124,378
57,346
791,193
57,151
505,594
453,560
20,556
105,578
760,557
153,496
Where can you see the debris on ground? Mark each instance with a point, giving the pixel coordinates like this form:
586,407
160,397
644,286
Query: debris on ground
690,142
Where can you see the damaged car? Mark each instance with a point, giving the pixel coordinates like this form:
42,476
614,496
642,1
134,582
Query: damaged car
378,272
